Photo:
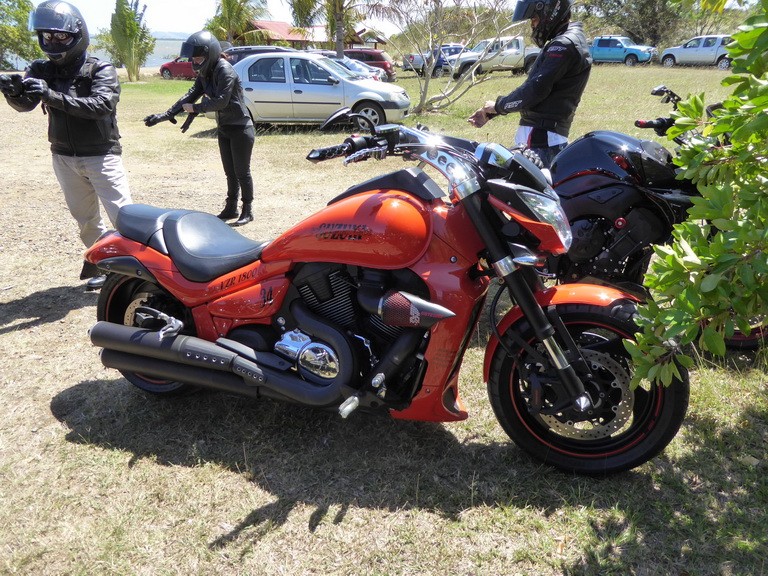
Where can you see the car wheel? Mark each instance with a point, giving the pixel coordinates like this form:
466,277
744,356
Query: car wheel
438,72
464,69
166,74
372,111
668,61
630,60
724,63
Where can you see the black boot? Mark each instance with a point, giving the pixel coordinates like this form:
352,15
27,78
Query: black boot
95,276
230,209
245,216
89,270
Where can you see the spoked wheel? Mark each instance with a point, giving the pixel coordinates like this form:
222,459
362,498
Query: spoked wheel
625,428
119,299
372,111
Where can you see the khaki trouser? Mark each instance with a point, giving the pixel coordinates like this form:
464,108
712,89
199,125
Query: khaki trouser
86,179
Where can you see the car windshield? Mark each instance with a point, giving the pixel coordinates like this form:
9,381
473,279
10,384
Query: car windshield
480,47
451,50
354,66
336,68
626,41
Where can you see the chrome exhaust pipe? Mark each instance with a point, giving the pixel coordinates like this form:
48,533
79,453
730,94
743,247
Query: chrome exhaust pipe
202,363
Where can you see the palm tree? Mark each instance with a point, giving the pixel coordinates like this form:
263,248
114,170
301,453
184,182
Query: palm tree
338,15
234,19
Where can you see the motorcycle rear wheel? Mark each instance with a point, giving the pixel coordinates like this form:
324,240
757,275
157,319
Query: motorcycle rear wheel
119,298
627,427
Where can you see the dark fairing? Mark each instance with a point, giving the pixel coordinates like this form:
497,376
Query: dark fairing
604,156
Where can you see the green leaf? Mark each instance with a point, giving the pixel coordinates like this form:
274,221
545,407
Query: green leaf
713,341
710,282
685,361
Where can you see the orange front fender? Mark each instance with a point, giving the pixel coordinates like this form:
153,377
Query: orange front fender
589,294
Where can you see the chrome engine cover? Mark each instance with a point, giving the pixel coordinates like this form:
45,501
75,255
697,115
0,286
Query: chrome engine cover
316,358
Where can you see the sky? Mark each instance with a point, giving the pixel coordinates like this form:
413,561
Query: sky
186,16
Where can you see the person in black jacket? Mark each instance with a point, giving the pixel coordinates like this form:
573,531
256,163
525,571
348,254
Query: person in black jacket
222,93
548,99
80,94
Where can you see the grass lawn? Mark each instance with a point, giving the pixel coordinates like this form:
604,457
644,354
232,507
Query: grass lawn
96,478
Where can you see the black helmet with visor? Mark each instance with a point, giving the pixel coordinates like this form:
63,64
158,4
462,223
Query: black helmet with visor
204,45
553,17
61,31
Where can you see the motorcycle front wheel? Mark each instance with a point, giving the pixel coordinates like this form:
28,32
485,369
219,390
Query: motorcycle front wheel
119,299
625,428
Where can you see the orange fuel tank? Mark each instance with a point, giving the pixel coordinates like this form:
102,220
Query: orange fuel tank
381,229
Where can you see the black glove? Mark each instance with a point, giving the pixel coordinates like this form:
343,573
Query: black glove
37,87
153,119
11,85
529,154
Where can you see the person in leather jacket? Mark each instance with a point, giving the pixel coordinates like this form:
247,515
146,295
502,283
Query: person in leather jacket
79,93
548,99
219,86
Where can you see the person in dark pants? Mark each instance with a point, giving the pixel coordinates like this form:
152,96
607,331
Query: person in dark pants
219,86
548,99
79,93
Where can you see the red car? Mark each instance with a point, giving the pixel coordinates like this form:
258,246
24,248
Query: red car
178,68
376,58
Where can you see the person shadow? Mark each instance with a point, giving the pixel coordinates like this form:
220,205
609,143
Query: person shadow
313,458
43,307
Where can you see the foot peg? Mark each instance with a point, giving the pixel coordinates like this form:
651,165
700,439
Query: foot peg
146,318
348,406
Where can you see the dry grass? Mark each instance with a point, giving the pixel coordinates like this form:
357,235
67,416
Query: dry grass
96,478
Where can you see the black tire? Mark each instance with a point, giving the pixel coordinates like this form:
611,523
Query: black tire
118,300
438,72
166,74
668,61
630,60
758,337
464,68
724,63
372,111
629,427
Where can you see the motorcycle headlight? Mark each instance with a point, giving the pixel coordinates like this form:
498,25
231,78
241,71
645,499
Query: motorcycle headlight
549,210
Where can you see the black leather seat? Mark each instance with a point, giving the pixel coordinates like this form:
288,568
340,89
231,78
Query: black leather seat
201,246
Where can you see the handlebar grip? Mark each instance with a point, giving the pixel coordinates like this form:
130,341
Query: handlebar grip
320,154
655,124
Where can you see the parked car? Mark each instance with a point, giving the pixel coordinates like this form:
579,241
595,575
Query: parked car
620,49
237,53
303,88
419,62
177,68
355,66
501,53
699,51
377,58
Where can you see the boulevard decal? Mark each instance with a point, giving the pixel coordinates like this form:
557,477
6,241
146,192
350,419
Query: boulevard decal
343,232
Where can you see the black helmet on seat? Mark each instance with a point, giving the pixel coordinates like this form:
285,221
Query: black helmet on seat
201,44
553,17
61,31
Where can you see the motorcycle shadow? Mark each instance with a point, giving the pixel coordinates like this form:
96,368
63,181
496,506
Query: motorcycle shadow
43,307
314,457
310,458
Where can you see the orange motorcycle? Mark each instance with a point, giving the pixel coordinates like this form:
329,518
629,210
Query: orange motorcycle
372,301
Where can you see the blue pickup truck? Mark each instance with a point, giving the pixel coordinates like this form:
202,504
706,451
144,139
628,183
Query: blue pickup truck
620,49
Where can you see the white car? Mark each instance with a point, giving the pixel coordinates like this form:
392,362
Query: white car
699,51
303,88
